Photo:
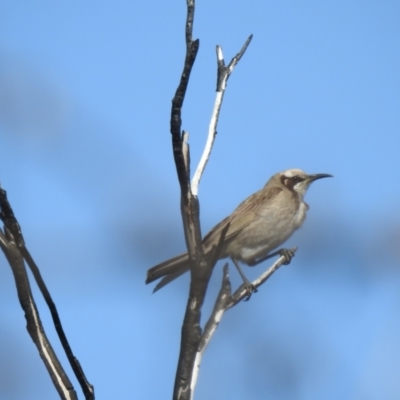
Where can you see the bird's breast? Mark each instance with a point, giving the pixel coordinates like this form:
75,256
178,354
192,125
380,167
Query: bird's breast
267,232
300,215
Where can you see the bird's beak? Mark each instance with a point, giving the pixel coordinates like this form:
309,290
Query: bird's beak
312,178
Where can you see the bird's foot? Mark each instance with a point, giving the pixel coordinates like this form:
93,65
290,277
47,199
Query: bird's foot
288,254
250,289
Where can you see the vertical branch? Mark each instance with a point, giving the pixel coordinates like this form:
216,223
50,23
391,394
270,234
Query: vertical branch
201,267
192,47
212,323
200,272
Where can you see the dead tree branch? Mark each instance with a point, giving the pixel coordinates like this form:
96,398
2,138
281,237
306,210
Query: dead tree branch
201,267
225,300
34,324
13,245
223,74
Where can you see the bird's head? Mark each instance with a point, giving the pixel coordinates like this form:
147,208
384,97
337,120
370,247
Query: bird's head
297,180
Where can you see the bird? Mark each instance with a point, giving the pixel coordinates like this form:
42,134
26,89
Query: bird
259,225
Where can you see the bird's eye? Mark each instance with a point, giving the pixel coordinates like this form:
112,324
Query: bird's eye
296,178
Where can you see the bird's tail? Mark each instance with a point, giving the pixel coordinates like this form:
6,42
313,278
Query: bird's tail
169,270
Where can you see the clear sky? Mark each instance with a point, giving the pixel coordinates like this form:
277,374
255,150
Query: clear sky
85,150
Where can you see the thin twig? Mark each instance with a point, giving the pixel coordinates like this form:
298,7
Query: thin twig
222,77
242,292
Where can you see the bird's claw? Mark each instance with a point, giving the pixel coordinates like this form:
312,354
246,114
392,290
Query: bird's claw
250,289
288,254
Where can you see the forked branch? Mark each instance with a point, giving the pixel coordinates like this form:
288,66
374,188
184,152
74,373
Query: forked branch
201,266
223,74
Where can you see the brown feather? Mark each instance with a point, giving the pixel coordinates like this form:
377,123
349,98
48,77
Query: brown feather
237,220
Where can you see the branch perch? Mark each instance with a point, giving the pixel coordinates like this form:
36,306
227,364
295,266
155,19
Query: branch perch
201,267
225,301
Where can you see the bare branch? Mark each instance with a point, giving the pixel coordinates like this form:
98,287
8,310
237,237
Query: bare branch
233,62
224,302
222,77
192,47
241,293
212,324
200,271
201,267
201,347
87,388
34,324
216,315
12,228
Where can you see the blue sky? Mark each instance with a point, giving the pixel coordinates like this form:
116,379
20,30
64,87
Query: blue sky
85,96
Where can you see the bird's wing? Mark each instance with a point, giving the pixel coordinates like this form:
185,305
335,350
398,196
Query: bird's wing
242,216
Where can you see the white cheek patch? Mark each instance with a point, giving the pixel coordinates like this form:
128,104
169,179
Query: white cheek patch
300,187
